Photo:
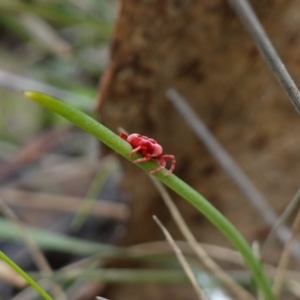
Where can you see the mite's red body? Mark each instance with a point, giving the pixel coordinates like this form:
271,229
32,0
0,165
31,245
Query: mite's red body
150,149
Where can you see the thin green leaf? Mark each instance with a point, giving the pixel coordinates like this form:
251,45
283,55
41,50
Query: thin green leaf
34,284
198,201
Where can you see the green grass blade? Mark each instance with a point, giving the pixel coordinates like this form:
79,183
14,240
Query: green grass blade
34,284
198,201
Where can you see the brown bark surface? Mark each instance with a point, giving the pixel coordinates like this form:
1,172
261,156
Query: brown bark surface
201,49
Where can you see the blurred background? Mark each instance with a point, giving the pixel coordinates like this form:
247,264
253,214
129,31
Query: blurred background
124,62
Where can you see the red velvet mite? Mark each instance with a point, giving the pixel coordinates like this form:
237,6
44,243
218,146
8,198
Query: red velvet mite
151,149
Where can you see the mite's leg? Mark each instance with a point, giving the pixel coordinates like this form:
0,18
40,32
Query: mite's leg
173,163
142,159
137,149
162,163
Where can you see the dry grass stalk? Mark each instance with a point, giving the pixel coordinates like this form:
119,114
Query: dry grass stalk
182,260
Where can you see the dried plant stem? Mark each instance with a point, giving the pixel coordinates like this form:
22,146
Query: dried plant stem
285,257
263,43
62,203
282,219
199,251
45,34
182,260
218,253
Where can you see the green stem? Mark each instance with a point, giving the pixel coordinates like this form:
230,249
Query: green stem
122,147
39,289
119,276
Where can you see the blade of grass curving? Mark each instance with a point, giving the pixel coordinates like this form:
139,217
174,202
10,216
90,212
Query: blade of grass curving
198,201
35,285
